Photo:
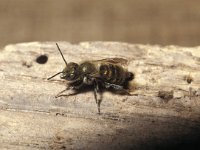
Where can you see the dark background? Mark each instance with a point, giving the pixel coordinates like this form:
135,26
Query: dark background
134,21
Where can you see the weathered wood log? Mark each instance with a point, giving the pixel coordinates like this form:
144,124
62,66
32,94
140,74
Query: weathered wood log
163,111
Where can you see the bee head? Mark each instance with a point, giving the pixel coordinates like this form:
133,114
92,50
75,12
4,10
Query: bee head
70,72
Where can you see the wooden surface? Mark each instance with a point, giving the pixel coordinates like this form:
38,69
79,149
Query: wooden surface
164,111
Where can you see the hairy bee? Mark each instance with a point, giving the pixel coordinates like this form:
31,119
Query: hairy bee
101,74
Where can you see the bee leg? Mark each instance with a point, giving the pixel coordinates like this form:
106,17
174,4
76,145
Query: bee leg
75,87
117,87
98,100
95,94
58,95
68,88
70,94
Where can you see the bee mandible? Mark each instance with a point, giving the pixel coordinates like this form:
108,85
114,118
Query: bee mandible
100,74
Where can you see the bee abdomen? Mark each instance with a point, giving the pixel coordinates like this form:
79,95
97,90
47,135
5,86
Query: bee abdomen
113,74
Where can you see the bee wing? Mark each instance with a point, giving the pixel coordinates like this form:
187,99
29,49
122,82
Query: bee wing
116,60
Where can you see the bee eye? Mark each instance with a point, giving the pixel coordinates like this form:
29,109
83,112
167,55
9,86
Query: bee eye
71,74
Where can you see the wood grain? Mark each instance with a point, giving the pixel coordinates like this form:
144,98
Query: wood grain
162,112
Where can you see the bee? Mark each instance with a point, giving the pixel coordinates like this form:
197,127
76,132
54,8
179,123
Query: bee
99,74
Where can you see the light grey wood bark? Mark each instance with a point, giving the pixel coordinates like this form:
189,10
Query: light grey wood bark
164,109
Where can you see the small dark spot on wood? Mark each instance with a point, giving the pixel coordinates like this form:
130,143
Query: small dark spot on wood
166,95
26,64
172,66
188,79
42,59
63,147
125,99
58,138
60,114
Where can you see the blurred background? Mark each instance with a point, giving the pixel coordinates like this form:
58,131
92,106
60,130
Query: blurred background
133,21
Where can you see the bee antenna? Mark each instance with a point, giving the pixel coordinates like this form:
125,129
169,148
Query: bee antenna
61,54
54,75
